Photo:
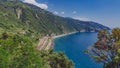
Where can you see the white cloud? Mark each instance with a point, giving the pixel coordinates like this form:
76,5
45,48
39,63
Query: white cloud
62,12
82,18
74,12
41,5
55,12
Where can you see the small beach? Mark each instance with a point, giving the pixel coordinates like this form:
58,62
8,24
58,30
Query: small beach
57,36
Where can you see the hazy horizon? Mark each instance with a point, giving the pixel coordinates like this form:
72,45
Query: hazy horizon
105,12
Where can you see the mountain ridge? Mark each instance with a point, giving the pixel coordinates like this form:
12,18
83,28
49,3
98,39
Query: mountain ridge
30,18
24,26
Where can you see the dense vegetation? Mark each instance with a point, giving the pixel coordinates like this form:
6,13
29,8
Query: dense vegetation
26,18
107,48
18,51
19,33
21,25
86,26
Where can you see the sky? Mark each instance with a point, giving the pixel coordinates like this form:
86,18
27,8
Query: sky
106,12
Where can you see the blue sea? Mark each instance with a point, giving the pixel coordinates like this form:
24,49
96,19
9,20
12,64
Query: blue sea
73,46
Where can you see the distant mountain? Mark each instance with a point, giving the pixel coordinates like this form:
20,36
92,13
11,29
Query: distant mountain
87,26
22,26
24,18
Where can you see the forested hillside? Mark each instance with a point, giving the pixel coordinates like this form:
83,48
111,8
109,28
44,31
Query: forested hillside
20,30
21,26
26,18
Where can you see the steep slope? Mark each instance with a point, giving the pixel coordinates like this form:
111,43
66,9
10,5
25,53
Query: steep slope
21,26
26,18
86,26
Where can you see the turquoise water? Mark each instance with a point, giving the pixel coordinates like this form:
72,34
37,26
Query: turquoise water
74,45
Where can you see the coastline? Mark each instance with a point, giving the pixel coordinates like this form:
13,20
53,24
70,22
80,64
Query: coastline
47,42
61,35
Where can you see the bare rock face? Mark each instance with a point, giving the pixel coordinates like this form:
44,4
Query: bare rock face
36,15
19,12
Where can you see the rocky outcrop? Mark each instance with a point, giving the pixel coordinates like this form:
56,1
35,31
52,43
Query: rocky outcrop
45,43
19,12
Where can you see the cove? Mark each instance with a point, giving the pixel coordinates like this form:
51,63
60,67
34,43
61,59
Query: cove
73,46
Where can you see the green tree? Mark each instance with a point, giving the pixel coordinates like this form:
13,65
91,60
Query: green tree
4,35
18,52
107,48
56,60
